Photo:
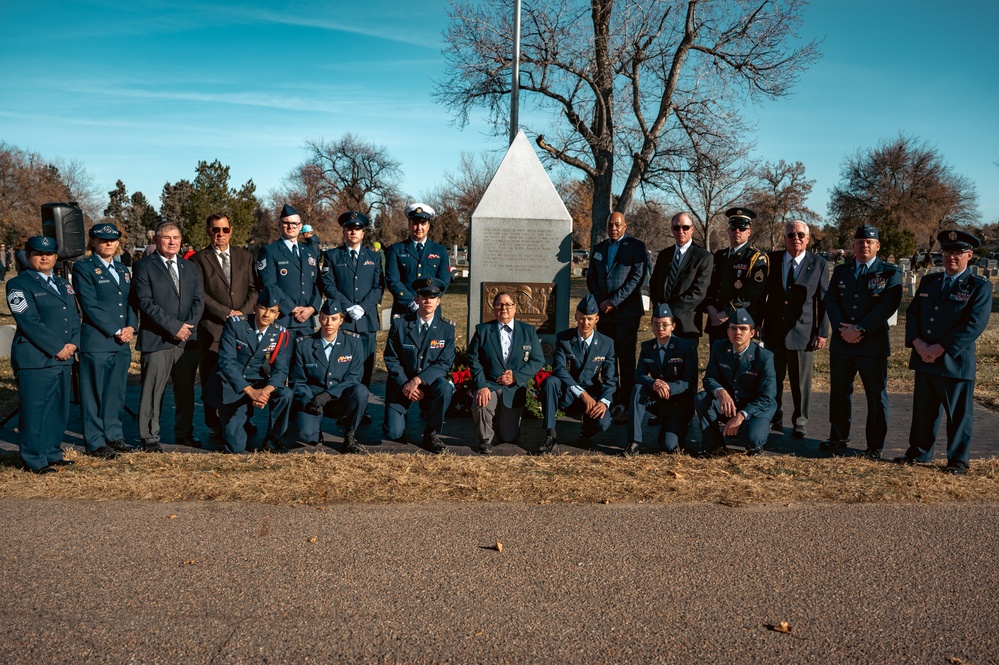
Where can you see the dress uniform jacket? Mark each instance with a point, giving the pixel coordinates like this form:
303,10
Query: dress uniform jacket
678,370
349,285
869,303
162,312
593,369
620,282
485,359
407,356
792,319
312,374
104,303
244,361
46,322
738,280
688,291
293,281
221,296
403,266
749,380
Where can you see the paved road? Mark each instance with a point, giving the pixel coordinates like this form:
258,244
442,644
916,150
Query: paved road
108,582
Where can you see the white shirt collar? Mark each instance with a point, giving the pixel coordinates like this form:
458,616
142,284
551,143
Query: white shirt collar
683,248
733,250
500,325
290,244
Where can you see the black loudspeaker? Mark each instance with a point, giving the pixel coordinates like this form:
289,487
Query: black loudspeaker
64,222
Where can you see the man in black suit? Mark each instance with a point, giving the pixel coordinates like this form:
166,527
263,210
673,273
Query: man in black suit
167,292
738,275
681,278
230,291
618,267
794,322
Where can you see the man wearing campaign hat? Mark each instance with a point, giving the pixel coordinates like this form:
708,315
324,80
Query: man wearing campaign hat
102,285
738,275
583,378
352,275
944,320
740,389
418,357
47,336
326,372
254,358
863,294
665,382
291,269
415,258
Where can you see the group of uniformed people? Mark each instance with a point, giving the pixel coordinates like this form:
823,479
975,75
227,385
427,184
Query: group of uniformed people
253,333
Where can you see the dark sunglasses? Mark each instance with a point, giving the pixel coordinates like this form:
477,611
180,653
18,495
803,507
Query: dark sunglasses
799,235
219,229
684,228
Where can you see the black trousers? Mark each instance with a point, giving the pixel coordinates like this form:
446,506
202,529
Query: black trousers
624,332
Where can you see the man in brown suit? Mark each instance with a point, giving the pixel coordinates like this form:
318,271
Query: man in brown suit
227,273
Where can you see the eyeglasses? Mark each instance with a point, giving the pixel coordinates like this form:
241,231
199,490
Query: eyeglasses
799,235
954,252
291,223
683,228
219,229
663,326
503,305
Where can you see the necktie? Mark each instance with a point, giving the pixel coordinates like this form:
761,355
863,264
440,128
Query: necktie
226,268
353,257
419,249
113,273
507,341
294,250
674,272
948,283
260,336
329,346
173,275
662,354
424,327
790,276
54,286
862,271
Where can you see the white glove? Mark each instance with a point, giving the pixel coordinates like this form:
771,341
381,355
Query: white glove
355,311
413,306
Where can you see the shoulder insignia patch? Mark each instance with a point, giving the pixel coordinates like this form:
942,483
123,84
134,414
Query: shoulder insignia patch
17,301
449,322
261,264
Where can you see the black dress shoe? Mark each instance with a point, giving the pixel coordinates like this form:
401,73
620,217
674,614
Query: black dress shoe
190,441
44,470
152,447
250,428
834,444
104,452
873,454
486,447
432,442
120,446
365,419
799,432
271,445
955,470
776,426
547,445
351,445
62,462
905,459
632,450
754,452
215,433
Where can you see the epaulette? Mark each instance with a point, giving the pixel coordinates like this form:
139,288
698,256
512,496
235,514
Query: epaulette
280,329
758,256
241,317
449,322
350,333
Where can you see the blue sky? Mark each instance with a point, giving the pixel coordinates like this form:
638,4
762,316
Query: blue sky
142,90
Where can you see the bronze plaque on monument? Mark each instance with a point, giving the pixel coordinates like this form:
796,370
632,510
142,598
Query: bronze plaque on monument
535,303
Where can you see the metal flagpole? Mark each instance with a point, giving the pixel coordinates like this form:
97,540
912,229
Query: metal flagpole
515,82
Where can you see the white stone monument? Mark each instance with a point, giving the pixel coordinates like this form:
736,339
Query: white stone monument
521,241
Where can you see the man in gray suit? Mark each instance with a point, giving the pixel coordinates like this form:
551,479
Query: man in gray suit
167,292
794,322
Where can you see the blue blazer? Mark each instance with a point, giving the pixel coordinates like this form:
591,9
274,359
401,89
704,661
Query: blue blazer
869,303
954,321
403,266
621,283
243,361
485,359
46,322
751,381
104,303
162,311
293,282
679,370
350,286
593,370
793,319
311,374
406,356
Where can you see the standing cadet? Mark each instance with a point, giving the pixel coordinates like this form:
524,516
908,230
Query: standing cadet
291,269
618,267
665,381
738,276
794,321
862,296
503,356
47,336
102,285
252,370
326,372
947,315
418,356
681,278
738,401
415,258
583,378
352,275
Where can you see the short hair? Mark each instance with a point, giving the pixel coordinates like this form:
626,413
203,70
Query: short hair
504,293
795,222
216,216
674,218
166,226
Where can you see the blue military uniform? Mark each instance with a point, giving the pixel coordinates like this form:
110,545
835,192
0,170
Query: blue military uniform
866,300
248,357
579,367
409,353
102,291
405,264
677,365
293,279
953,316
47,319
750,381
338,374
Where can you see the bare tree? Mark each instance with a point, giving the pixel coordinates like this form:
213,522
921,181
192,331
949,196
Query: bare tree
903,187
621,84
578,198
311,194
779,198
456,198
26,182
650,221
361,175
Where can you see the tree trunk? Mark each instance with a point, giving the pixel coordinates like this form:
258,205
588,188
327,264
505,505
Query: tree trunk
603,197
